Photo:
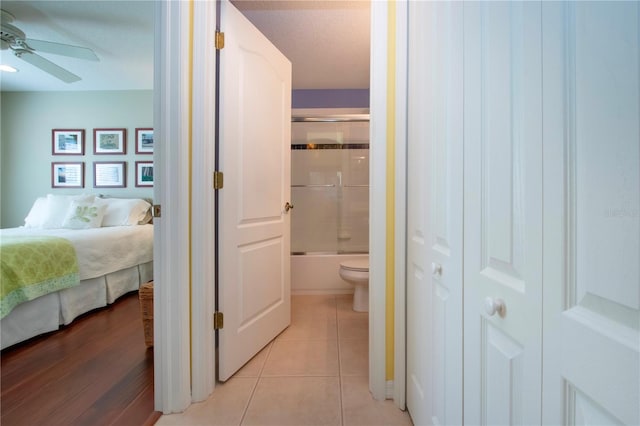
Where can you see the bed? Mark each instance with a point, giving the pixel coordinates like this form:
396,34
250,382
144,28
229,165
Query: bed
113,243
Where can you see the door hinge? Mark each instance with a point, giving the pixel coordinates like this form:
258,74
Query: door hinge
219,40
157,210
218,320
218,180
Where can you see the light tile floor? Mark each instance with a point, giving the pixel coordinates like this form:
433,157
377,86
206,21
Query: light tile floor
314,373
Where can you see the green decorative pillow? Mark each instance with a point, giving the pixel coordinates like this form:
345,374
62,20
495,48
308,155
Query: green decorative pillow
84,215
58,207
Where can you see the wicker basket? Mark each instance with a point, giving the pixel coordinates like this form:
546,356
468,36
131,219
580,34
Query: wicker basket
146,310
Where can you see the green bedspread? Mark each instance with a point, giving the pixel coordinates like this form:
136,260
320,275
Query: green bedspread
33,266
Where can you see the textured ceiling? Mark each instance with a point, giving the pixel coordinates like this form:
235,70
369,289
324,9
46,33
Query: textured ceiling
326,41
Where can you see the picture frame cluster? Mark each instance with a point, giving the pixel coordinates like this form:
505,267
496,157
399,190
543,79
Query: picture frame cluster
106,141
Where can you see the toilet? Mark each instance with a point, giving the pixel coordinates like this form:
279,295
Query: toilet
356,272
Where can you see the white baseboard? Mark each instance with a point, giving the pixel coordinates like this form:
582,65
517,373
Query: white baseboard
388,390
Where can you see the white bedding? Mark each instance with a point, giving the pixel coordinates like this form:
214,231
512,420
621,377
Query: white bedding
101,251
112,261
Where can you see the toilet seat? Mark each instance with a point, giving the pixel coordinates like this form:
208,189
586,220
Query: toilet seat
358,265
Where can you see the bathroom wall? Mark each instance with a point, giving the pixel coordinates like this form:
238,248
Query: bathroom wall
330,98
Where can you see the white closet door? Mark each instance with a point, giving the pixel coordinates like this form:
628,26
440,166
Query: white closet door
592,232
434,172
502,213
420,120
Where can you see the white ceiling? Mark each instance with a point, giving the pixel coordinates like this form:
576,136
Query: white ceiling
326,41
120,33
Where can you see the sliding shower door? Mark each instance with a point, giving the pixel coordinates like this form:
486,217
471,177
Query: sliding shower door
330,185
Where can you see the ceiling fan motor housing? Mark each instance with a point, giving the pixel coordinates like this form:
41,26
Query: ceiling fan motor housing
14,38
11,35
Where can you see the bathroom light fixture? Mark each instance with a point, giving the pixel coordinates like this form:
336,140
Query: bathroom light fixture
8,68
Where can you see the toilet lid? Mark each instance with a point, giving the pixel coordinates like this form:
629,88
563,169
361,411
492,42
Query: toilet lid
356,265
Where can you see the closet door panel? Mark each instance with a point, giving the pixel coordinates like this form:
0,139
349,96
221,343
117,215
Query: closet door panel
420,122
434,267
445,214
502,213
592,318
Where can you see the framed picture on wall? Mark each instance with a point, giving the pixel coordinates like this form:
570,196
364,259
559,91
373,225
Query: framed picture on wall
67,141
109,174
144,173
109,141
67,175
144,141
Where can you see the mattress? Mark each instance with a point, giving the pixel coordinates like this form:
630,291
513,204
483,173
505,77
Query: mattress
112,262
101,251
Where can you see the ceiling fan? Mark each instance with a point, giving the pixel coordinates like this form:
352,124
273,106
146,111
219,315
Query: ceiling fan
13,38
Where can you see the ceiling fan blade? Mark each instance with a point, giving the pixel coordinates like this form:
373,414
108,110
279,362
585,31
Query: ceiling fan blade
48,67
62,49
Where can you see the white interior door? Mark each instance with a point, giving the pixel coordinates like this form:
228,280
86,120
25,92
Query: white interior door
592,205
255,135
502,212
434,213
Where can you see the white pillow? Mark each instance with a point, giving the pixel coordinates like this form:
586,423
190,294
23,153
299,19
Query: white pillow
148,217
124,211
58,206
37,214
84,215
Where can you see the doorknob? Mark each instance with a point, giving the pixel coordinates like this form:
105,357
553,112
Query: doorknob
491,306
288,207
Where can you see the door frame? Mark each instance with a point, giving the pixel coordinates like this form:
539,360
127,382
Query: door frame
183,351
401,145
388,47
203,362
172,120
378,200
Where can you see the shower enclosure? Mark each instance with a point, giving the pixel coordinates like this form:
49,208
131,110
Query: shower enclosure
330,193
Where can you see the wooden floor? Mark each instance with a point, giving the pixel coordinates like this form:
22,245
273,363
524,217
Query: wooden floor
96,371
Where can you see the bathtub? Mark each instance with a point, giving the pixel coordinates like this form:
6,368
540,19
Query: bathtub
318,273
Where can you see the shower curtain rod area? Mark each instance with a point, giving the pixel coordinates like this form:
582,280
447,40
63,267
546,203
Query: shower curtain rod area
337,118
329,185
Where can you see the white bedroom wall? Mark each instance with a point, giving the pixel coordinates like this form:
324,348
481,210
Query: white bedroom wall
27,119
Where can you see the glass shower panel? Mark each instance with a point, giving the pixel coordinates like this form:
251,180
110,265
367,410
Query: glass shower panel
314,220
330,187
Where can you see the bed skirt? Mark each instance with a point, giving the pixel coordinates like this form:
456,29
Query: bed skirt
48,312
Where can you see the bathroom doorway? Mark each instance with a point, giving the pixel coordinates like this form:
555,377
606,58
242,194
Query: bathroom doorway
329,46
378,349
